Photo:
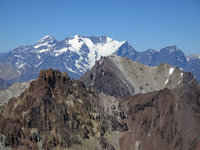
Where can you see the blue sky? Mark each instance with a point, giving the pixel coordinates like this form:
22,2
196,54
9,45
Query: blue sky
143,23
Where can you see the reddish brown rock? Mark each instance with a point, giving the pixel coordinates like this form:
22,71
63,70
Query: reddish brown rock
167,120
54,112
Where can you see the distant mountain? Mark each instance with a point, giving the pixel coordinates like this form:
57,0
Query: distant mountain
118,76
76,55
193,65
170,55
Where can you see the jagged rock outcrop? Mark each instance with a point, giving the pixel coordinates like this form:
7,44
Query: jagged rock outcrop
56,112
118,76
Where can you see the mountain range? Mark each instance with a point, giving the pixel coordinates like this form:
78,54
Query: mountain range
76,55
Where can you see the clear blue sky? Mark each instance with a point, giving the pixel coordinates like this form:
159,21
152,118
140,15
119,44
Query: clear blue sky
143,23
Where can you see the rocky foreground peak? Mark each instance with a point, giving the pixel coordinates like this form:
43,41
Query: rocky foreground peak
166,119
52,76
56,112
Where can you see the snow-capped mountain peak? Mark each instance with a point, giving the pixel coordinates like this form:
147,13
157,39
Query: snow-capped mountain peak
45,39
93,47
44,44
75,54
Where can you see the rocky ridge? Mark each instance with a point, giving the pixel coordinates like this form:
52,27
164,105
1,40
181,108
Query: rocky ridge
13,91
118,76
167,120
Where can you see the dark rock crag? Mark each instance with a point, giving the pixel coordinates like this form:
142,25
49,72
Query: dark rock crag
56,112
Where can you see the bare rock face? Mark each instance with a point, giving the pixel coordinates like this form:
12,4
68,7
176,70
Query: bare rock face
105,77
119,77
56,112
167,120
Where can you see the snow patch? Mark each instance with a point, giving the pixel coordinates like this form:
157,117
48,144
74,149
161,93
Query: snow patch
171,70
180,78
81,69
43,50
60,51
19,56
38,56
21,65
69,68
149,134
44,38
138,145
181,74
47,36
38,64
166,81
101,61
19,72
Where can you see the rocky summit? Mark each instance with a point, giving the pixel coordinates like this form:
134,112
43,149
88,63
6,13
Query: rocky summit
56,112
